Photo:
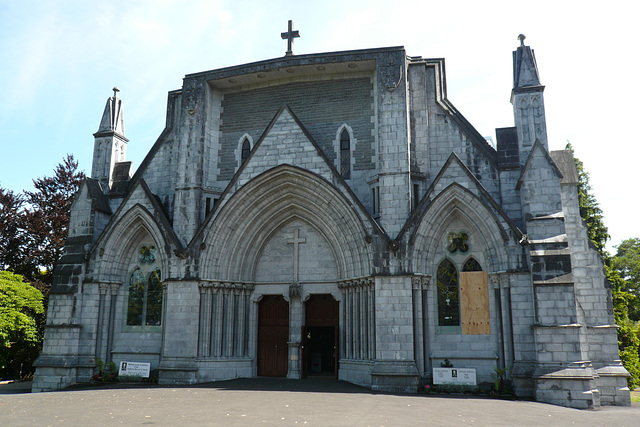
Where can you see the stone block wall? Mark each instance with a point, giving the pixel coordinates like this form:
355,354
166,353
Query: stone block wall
323,106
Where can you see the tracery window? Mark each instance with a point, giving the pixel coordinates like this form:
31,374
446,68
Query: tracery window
144,306
448,294
345,154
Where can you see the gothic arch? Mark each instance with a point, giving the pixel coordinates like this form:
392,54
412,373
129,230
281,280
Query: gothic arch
245,223
459,206
337,146
116,250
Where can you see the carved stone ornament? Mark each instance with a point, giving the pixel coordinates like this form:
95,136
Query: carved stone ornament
227,286
294,290
193,93
391,75
357,283
420,282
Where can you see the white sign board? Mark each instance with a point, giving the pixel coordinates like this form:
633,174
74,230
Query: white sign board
464,376
137,369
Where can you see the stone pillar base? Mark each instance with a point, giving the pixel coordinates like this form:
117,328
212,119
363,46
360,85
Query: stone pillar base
395,376
612,383
58,372
294,361
177,371
521,375
573,386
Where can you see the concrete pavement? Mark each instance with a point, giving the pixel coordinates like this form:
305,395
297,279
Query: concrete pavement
281,402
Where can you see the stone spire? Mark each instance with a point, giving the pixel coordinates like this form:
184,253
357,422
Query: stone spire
527,100
525,69
110,145
113,116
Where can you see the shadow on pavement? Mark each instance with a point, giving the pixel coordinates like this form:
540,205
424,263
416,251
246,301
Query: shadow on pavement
15,387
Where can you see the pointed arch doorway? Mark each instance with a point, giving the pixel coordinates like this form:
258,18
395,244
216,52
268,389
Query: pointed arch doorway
320,337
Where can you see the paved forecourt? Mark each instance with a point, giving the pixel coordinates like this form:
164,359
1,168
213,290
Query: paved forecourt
281,402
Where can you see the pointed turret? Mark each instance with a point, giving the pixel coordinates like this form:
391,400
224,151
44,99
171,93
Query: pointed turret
528,102
110,142
525,69
113,116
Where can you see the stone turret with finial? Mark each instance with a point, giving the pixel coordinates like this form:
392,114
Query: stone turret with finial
110,146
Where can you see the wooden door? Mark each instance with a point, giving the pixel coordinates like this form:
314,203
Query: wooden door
273,336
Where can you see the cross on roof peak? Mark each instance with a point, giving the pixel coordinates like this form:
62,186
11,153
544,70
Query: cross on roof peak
521,37
289,35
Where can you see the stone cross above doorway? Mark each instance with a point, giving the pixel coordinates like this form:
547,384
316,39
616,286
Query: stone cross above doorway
296,240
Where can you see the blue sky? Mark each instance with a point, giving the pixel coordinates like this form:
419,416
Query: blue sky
60,59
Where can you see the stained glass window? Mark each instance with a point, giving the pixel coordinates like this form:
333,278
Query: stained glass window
448,294
471,265
144,307
136,297
345,154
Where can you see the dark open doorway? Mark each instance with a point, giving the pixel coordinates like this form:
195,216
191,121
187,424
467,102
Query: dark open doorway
320,337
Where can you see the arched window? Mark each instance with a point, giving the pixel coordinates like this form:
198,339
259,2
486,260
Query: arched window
246,150
345,154
448,294
471,265
144,307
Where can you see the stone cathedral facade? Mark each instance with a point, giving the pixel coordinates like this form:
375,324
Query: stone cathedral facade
334,214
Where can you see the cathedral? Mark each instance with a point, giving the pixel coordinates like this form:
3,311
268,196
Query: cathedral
335,215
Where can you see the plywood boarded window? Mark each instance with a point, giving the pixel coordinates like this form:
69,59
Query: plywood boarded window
474,303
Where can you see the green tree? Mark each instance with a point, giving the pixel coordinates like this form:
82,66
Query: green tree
13,239
590,209
627,262
20,338
47,219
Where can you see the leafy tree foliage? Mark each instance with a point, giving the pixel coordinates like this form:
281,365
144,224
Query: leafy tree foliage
590,210
12,231
20,309
627,262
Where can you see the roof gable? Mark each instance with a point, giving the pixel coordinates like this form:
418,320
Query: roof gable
454,173
538,157
285,141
